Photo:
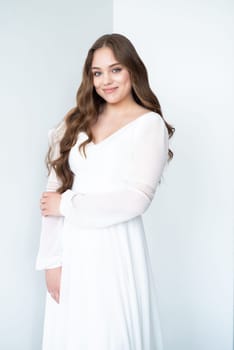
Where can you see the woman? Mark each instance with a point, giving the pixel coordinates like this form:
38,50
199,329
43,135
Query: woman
105,159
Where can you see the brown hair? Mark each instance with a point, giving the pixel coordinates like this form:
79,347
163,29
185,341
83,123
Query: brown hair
90,104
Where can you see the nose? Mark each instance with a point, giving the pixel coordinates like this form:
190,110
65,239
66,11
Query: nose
107,78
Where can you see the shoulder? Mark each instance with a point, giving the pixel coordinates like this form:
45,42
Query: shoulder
151,133
56,134
151,121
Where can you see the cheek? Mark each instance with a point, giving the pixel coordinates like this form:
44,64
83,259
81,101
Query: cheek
95,83
125,79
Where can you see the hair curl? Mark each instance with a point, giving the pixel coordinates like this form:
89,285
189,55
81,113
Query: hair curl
90,104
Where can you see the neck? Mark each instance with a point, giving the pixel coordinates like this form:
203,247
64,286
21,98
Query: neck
116,109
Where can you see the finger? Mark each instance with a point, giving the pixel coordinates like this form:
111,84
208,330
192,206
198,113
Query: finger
56,297
44,212
43,207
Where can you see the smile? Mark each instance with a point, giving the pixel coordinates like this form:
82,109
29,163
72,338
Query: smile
109,91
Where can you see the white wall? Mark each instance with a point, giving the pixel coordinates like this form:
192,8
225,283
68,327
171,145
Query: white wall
43,45
187,47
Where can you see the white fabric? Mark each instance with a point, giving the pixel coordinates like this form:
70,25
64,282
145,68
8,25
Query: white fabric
108,299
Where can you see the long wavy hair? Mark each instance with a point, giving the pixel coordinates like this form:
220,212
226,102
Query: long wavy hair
90,104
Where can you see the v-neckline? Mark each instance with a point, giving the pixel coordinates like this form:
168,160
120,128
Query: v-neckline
120,129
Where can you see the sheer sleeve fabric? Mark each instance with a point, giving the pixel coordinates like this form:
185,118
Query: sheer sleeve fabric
50,248
149,156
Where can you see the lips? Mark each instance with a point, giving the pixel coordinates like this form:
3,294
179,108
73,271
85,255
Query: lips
110,90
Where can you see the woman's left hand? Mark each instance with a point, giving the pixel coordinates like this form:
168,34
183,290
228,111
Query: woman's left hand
50,203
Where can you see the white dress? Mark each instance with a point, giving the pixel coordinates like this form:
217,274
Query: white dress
107,298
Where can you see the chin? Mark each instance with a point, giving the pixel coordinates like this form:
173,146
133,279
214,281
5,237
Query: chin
112,100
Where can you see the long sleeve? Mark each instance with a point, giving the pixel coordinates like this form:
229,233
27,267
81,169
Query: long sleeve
150,151
50,248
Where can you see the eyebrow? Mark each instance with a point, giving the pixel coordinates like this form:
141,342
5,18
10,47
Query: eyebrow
112,65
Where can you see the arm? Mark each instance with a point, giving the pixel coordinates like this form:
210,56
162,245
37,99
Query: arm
150,150
50,248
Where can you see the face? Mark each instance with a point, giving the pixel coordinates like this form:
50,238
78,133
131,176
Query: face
111,79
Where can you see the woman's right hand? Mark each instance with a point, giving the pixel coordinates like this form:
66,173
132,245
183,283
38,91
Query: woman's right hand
53,279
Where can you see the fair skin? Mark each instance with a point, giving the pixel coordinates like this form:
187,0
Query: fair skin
112,82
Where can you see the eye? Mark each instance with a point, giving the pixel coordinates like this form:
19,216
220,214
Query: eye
116,70
96,74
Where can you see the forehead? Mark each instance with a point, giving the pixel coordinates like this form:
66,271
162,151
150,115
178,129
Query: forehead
103,57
